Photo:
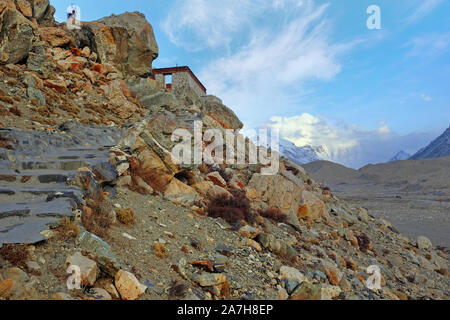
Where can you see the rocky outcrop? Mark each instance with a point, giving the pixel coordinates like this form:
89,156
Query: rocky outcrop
126,41
16,34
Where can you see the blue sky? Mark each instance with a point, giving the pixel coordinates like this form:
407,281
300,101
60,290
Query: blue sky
312,68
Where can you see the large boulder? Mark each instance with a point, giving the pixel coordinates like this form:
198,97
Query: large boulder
221,113
126,41
16,34
276,191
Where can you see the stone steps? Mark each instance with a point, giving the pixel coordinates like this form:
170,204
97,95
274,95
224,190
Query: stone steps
35,190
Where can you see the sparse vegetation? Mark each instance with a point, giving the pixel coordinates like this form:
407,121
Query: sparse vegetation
294,171
274,214
96,216
231,208
17,254
160,250
68,229
126,216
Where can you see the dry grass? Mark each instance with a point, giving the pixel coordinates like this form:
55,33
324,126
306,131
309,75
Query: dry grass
7,178
67,229
160,250
274,214
232,209
15,111
153,178
17,254
294,171
96,216
126,216
6,99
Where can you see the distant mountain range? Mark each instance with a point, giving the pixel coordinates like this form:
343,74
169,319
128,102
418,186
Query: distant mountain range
402,155
436,149
300,155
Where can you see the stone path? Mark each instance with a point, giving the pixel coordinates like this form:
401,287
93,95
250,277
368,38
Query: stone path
35,173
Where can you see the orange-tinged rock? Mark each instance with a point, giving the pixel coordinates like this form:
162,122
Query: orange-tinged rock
128,286
217,179
25,8
58,86
5,286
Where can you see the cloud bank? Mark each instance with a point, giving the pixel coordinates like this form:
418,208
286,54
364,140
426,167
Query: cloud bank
347,144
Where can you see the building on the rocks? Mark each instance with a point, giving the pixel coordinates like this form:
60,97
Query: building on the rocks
178,77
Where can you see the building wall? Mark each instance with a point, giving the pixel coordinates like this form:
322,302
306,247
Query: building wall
180,80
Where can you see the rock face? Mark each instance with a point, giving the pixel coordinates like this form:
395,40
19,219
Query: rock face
18,27
126,41
16,34
436,149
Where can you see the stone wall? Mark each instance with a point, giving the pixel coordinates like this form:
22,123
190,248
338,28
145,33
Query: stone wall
180,80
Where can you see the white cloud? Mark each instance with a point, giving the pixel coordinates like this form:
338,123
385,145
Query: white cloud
428,45
269,73
349,145
426,98
424,8
197,24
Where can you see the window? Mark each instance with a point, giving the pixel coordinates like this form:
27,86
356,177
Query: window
168,80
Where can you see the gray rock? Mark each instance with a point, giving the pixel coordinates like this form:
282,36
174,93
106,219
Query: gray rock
106,260
16,37
424,243
37,94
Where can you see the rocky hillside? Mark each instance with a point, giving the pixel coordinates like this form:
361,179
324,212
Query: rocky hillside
436,149
88,183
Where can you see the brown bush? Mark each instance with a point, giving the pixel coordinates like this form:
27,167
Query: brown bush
17,254
15,111
67,229
7,178
160,250
6,99
126,216
274,214
363,242
294,171
232,209
96,216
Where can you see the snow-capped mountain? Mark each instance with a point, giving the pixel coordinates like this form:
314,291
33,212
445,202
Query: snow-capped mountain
300,155
436,149
402,155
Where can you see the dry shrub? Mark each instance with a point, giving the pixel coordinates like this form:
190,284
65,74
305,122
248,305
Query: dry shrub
17,254
274,214
152,177
7,178
6,99
15,111
363,242
177,289
126,216
160,250
225,290
294,171
96,216
185,250
5,143
67,229
232,209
